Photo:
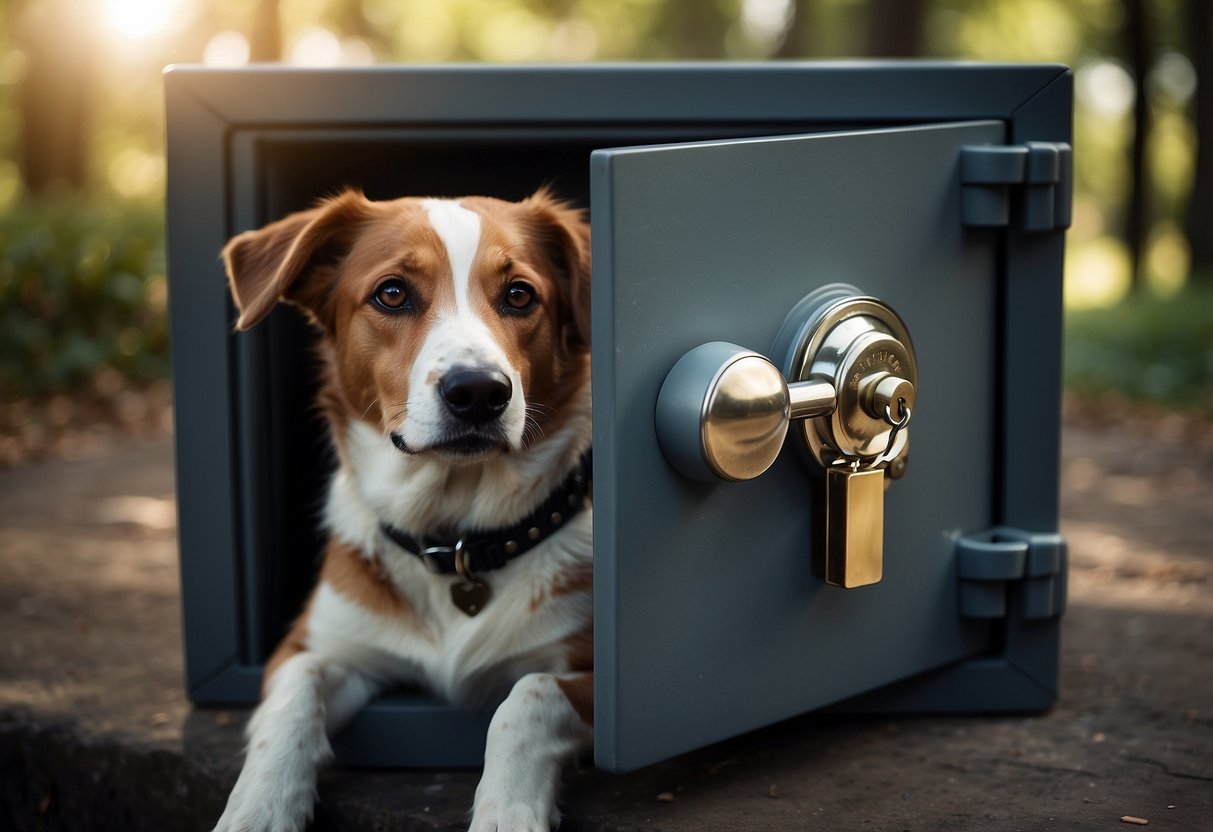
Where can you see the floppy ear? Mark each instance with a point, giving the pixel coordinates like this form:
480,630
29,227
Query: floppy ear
289,260
564,233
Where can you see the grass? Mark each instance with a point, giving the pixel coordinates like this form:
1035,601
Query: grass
1146,349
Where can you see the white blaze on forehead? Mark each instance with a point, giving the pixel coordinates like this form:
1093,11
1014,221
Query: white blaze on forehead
457,337
459,230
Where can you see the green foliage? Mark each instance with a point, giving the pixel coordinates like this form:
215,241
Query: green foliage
1146,348
81,288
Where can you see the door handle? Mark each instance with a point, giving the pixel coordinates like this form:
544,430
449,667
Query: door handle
847,390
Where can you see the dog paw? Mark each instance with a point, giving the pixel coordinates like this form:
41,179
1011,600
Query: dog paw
266,810
517,817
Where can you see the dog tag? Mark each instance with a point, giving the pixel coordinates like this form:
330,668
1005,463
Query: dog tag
470,595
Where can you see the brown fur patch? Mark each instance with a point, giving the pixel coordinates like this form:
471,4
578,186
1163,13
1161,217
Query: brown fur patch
579,649
580,692
292,644
372,346
361,580
579,578
544,243
294,259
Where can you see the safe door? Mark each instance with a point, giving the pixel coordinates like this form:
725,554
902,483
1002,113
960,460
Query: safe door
827,305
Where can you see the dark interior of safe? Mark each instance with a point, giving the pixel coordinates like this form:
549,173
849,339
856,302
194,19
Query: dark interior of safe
289,461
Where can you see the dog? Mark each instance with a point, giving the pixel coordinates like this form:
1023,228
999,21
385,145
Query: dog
454,343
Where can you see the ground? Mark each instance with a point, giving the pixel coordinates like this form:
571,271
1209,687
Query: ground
96,732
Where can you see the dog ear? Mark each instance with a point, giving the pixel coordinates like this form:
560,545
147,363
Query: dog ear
564,233
288,260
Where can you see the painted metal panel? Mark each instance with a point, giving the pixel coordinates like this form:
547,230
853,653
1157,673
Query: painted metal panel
709,620
228,171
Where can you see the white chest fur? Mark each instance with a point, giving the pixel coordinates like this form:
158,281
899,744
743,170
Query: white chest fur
467,659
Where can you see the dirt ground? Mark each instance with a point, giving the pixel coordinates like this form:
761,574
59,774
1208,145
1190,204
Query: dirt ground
96,733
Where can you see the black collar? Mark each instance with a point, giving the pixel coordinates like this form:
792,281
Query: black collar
484,551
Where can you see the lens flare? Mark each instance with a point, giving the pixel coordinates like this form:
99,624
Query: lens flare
141,19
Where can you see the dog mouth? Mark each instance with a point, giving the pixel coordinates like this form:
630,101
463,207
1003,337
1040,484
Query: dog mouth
460,447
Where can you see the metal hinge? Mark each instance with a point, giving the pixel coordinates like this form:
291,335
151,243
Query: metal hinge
1005,565
1044,170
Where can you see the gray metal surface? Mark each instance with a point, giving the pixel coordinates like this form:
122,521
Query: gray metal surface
246,145
838,92
708,619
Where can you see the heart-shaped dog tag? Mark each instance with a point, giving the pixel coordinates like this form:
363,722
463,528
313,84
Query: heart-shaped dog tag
470,596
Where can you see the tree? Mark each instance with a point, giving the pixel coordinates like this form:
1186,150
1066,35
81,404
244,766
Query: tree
693,29
1200,203
265,40
55,96
1136,44
800,40
895,28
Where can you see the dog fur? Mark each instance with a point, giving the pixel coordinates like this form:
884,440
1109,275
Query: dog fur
481,283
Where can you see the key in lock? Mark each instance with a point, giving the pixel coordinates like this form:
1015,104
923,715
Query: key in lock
847,389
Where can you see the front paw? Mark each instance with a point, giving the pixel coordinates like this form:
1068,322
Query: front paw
513,817
267,806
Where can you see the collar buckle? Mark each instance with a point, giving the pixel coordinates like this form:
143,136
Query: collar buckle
481,552
434,557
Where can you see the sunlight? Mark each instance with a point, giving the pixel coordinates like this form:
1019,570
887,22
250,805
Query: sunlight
226,49
143,18
1105,88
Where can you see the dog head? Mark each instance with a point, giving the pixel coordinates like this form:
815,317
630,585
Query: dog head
458,328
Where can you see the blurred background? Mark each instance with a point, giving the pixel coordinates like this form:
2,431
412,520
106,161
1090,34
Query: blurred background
83,340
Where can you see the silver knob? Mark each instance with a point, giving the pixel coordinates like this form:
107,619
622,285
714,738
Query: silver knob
723,412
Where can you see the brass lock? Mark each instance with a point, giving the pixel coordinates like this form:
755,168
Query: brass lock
848,383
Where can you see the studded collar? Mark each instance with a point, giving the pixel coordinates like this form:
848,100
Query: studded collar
473,552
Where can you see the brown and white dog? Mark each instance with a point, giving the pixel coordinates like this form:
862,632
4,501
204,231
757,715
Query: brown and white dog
456,382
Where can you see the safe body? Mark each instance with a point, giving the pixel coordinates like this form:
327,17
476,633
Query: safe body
720,195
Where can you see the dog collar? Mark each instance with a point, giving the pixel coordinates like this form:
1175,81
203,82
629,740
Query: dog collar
473,552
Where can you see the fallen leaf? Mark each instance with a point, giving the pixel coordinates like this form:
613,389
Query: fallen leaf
666,797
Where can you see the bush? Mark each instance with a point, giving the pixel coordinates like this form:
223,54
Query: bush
1145,349
82,291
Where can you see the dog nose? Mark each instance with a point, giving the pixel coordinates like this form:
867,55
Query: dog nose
476,395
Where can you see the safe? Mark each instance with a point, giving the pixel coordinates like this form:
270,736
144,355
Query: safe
826,375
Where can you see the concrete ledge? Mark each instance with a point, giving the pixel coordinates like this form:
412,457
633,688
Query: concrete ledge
55,777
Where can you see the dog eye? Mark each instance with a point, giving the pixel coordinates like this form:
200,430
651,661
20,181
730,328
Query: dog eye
519,297
391,295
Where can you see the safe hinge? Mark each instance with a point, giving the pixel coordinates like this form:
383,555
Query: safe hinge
1004,567
1042,173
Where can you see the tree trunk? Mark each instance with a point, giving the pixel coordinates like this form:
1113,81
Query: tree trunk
694,29
1200,203
265,40
800,41
1136,42
895,28
55,97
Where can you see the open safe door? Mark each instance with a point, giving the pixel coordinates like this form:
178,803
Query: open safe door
823,288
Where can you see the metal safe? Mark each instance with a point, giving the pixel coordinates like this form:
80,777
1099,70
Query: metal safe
827,364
